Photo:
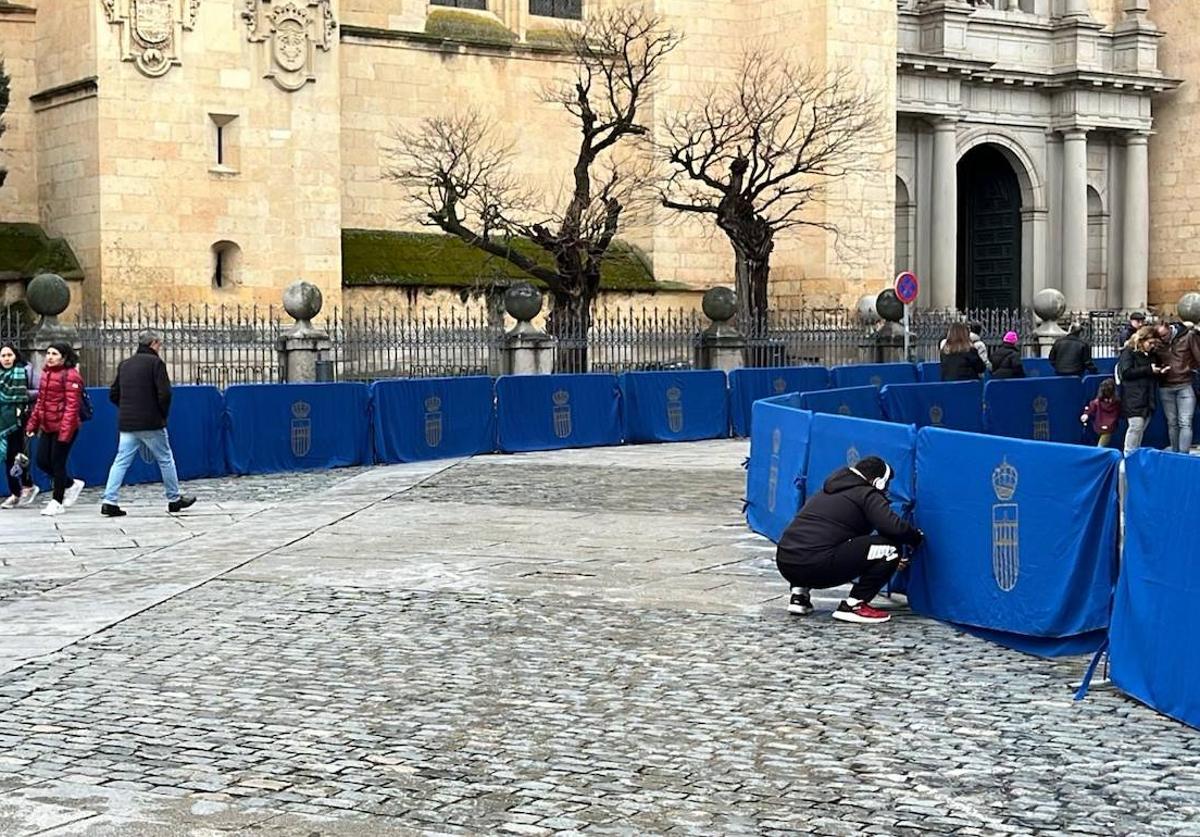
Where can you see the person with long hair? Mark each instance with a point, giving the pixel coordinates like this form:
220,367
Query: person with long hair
56,417
960,358
1139,384
14,404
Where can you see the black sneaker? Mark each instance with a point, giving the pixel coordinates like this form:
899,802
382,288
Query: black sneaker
184,502
112,510
801,602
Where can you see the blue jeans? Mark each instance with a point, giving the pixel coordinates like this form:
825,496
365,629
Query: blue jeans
158,446
1179,406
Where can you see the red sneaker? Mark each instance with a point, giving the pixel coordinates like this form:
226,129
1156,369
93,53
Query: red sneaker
861,614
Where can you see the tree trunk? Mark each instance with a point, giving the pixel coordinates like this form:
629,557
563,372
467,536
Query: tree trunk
752,270
569,322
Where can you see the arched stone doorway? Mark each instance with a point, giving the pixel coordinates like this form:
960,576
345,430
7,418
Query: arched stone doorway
989,230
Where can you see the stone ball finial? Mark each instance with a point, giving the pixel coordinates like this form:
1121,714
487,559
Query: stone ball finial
302,300
719,304
1049,304
523,302
889,306
48,294
1189,307
867,312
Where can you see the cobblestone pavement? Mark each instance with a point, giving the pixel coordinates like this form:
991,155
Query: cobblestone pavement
584,641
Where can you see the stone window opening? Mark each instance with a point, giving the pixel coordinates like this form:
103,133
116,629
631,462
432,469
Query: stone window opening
226,265
225,156
1097,251
566,9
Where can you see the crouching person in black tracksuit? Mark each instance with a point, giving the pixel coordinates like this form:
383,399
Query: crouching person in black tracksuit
846,532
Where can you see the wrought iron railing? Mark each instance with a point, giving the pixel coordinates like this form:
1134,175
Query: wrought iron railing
223,345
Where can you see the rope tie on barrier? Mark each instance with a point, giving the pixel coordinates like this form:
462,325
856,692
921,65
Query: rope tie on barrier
1086,683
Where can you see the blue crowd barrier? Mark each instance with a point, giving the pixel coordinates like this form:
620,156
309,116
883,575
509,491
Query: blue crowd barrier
872,374
1014,551
433,418
749,385
1105,365
929,372
293,427
778,456
841,441
1044,409
194,428
859,402
550,412
675,406
954,406
1152,640
1038,367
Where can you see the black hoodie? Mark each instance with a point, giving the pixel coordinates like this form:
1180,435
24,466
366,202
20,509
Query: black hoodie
847,507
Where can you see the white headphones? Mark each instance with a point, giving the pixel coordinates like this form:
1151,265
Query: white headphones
880,483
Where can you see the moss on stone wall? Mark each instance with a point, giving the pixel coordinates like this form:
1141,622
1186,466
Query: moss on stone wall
464,26
548,36
381,257
25,251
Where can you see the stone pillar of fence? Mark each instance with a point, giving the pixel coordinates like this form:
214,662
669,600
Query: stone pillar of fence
1049,305
303,346
48,295
889,337
721,345
1189,308
527,349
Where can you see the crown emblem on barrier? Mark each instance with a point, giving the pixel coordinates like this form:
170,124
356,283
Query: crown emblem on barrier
1004,481
780,384
301,409
876,381
674,394
1041,404
852,456
433,404
561,397
844,410
776,440
936,414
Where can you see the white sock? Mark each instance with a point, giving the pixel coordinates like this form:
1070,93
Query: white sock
852,602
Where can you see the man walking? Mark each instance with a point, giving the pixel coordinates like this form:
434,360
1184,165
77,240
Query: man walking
1071,354
142,393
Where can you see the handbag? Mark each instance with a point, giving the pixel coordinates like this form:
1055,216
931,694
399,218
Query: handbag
86,411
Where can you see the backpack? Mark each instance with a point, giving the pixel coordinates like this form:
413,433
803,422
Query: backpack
86,411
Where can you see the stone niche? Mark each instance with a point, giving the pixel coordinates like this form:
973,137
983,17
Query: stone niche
290,32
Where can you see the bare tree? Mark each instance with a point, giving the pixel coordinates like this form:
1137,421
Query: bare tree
5,90
757,152
459,169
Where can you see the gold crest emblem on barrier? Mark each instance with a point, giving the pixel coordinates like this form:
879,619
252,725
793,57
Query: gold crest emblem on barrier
936,414
773,472
675,409
1041,418
562,413
1006,536
301,428
433,421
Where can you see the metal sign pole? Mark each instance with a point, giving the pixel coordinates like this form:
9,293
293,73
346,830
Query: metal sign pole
907,356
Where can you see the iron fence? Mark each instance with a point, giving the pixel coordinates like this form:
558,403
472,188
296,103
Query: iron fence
223,345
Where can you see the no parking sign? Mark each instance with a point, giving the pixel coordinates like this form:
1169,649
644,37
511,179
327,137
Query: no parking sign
907,287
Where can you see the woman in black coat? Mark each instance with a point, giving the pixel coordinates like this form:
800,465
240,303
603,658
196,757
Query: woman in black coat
1139,384
960,361
1006,359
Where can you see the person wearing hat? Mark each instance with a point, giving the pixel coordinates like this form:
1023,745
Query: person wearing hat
1006,358
846,533
1136,320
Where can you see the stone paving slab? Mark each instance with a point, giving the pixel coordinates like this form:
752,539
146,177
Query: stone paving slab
445,651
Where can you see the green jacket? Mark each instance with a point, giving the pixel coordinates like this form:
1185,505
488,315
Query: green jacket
14,398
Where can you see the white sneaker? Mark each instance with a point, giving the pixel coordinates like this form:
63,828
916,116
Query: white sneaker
28,495
11,502
72,493
53,509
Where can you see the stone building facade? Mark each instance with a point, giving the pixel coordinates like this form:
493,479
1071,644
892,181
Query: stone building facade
211,151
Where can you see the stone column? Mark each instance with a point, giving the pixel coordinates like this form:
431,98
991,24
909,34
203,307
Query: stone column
1076,9
303,348
48,295
944,235
527,349
1074,219
722,346
1135,263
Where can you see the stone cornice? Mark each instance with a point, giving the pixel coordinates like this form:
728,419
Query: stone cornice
986,73
84,88
352,33
16,9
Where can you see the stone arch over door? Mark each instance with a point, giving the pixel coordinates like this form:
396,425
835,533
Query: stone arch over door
1031,182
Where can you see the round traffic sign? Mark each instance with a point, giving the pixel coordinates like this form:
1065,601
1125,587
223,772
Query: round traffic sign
907,287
